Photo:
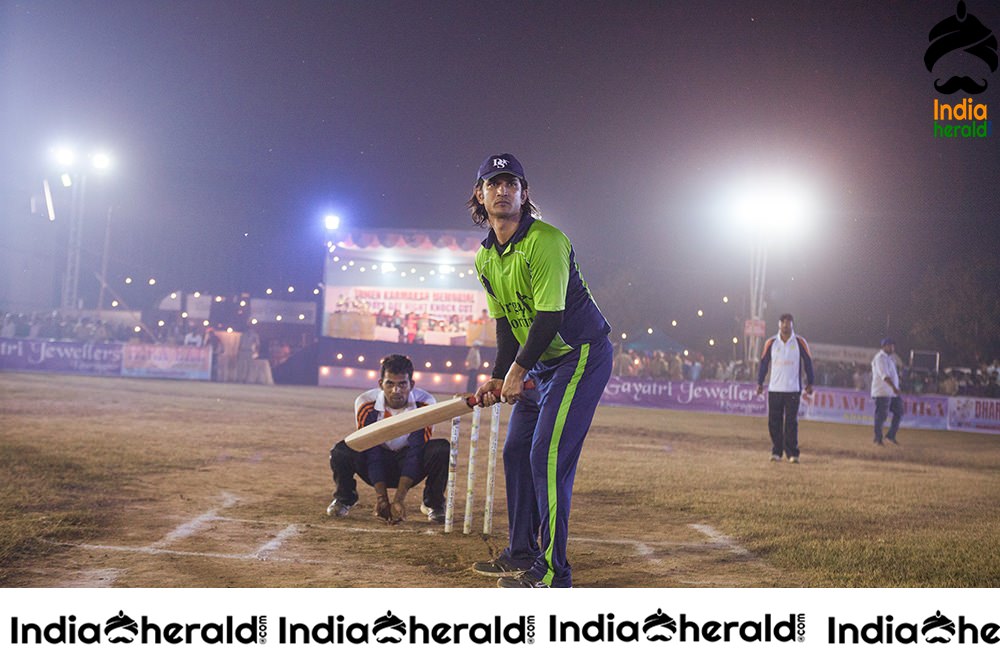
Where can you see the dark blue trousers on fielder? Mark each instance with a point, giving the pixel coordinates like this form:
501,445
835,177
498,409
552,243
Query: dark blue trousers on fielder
544,440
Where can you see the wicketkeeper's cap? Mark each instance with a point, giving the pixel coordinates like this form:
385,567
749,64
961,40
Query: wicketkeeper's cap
887,341
504,163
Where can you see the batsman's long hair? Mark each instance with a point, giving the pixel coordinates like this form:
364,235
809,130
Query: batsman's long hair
478,211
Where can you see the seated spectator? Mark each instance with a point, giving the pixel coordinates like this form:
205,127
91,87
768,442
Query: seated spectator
949,385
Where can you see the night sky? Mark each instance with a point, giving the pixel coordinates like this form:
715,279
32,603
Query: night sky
237,125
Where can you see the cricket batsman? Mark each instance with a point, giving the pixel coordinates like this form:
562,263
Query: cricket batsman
550,329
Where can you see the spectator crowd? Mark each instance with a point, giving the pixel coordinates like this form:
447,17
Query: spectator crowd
84,328
53,326
983,380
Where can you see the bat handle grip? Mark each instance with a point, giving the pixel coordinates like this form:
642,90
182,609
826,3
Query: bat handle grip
471,400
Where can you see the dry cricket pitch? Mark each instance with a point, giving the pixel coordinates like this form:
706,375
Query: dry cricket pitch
145,483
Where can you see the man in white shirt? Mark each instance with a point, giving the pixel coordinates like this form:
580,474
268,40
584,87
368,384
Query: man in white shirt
398,464
787,356
886,392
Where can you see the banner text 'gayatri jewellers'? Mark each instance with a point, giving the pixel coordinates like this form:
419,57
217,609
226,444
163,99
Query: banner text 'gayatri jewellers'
827,404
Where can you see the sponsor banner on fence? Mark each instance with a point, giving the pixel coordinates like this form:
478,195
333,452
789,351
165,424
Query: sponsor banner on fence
827,404
60,356
847,354
849,406
969,413
185,362
734,398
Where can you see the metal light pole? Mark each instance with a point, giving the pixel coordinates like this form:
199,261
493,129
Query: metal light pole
104,261
71,281
758,272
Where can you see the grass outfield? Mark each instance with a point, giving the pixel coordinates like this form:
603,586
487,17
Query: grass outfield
168,483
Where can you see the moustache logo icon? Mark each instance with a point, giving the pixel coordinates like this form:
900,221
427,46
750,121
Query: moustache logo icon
957,83
121,629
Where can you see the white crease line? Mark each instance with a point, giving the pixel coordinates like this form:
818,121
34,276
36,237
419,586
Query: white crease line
197,524
647,549
320,525
188,529
173,552
264,553
720,539
642,547
653,448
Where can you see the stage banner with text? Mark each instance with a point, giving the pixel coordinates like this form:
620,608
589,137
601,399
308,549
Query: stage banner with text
176,362
437,303
60,356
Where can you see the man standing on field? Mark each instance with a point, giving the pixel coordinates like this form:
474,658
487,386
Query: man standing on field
548,328
786,355
885,391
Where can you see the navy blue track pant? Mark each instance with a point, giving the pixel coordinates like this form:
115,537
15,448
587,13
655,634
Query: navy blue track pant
544,440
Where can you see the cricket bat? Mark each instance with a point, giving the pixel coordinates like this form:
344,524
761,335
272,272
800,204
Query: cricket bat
413,420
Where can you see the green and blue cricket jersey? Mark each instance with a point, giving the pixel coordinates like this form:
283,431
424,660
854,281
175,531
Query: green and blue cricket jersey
537,271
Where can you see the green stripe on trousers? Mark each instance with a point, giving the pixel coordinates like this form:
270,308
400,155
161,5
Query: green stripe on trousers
552,475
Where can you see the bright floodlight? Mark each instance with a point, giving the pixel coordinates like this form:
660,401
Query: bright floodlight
64,156
775,204
332,222
101,161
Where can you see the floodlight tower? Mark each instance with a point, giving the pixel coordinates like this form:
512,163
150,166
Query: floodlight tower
767,209
75,177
